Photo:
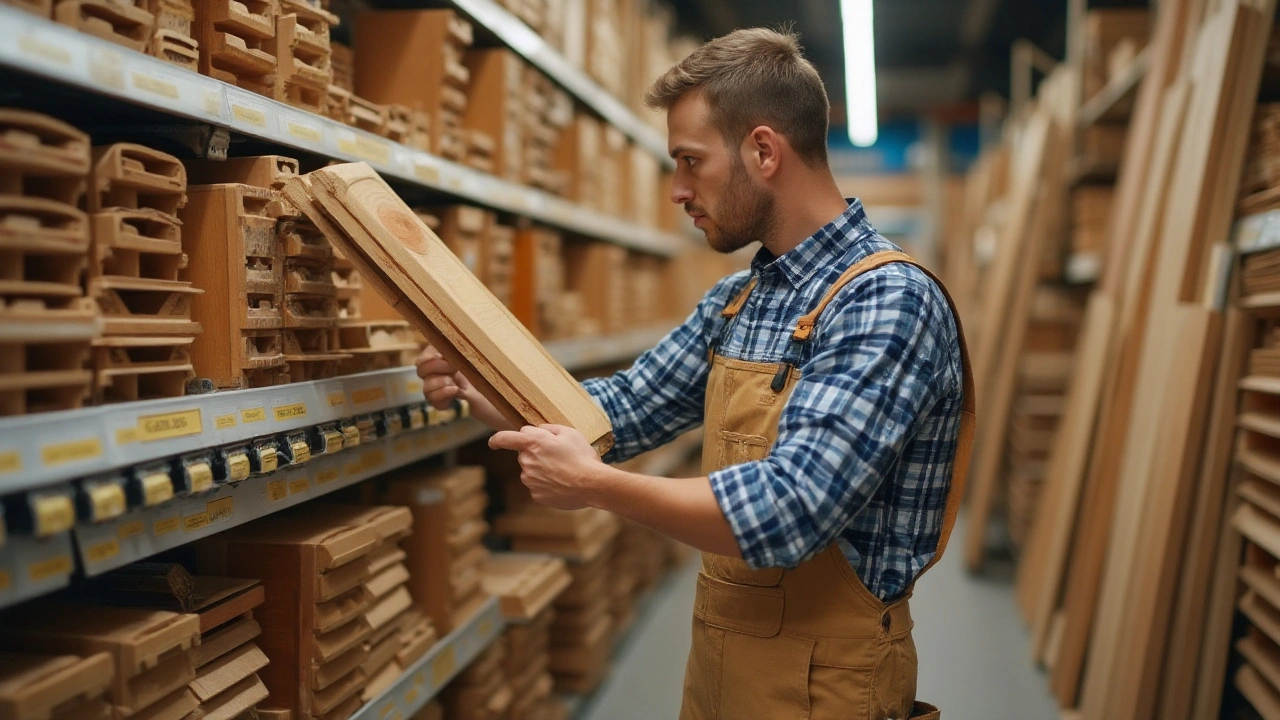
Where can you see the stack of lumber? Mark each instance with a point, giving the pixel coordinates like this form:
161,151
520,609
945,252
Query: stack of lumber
135,267
153,653
1091,212
171,34
1108,33
46,322
1260,187
446,554
311,315
315,567
414,58
481,691
303,54
229,215
236,42
1127,577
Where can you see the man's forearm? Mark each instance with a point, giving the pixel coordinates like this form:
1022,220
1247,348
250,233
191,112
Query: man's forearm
685,509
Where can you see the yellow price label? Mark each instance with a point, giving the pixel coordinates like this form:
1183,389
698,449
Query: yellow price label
253,415
277,490
170,425
6,581
249,115
336,399
71,451
324,477
155,85
420,678
443,667
387,710
10,462
353,468
108,501
484,627
290,412
127,436
427,174
364,148
373,459
299,486
48,51
413,387
166,526
212,102
368,395
237,467
192,523
220,509
45,569
411,696
222,422
103,551
305,132
130,529
401,446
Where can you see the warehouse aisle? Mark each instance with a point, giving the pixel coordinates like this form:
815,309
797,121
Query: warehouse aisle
972,644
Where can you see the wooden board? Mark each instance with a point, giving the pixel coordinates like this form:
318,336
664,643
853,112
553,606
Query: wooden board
1195,587
393,249
1044,559
527,585
1011,290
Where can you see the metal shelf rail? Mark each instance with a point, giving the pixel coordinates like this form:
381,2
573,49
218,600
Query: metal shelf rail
47,49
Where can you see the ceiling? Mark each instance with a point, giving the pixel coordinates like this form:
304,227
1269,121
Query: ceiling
930,54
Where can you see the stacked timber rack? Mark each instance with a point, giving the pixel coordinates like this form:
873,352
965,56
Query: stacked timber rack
1157,509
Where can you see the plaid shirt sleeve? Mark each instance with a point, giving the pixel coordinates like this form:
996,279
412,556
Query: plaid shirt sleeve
661,395
884,356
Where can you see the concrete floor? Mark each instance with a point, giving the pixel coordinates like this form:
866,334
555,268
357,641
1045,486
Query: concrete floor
972,644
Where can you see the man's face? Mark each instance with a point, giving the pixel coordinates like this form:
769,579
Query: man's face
713,183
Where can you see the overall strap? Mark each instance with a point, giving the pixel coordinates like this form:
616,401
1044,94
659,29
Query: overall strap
964,437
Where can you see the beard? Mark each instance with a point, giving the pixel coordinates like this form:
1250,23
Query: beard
746,213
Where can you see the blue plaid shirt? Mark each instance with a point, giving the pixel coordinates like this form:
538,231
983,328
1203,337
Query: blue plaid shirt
865,443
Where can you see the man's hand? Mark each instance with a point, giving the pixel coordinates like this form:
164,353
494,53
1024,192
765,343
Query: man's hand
557,464
442,384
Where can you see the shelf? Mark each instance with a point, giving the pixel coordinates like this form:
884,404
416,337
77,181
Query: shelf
1083,268
1114,101
142,533
423,680
40,450
30,567
1256,233
513,32
57,52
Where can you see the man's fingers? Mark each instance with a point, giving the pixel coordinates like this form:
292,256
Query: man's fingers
511,440
556,429
435,366
531,431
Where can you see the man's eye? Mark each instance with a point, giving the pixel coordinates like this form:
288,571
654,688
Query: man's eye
689,160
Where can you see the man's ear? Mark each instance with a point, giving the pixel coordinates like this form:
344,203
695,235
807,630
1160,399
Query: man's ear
763,146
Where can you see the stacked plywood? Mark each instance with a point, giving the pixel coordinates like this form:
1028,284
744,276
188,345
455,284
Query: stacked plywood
237,41
46,323
311,314
172,35
497,108
414,58
582,631
153,653
578,156
540,298
445,555
598,272
135,274
481,691
550,111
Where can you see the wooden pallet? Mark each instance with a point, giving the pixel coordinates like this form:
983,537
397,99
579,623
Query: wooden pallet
136,243
43,248
141,368
175,47
42,8
262,171
301,49
42,361
302,240
136,177
307,277
234,39
41,157
527,585
367,115
177,16
409,127
141,306
119,22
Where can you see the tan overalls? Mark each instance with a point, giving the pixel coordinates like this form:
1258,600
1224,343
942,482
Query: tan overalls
811,642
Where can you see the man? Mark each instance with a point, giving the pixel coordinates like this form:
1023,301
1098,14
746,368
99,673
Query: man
831,380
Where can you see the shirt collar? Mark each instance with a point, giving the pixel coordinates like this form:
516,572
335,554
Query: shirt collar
817,251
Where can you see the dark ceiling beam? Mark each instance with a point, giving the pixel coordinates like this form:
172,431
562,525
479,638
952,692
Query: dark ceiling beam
974,29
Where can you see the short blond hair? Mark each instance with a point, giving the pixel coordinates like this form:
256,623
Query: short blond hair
753,77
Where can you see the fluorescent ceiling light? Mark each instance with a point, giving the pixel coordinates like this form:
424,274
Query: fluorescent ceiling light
859,71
